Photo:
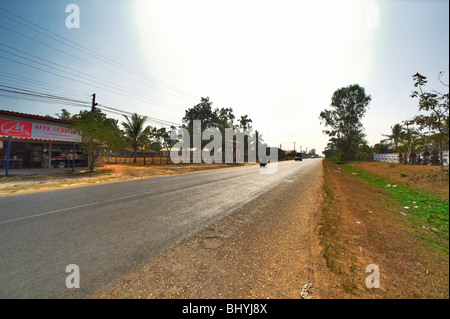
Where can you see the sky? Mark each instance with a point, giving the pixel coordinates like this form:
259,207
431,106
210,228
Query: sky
279,62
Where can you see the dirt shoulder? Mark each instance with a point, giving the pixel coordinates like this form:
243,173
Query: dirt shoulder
110,173
361,225
267,248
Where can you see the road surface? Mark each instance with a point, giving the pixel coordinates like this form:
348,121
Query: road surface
108,230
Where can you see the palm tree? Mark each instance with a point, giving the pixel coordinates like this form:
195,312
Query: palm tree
397,132
244,122
409,141
136,133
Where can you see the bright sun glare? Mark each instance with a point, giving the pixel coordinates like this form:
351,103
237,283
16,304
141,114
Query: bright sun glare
258,52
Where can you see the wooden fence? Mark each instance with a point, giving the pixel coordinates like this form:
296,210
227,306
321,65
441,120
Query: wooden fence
140,161
156,160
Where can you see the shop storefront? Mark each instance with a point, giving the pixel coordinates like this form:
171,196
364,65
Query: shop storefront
34,141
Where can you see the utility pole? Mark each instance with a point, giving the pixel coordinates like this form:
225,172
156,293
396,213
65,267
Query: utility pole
294,145
93,107
91,153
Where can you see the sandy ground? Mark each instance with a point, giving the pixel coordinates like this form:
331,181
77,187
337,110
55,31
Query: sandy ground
110,173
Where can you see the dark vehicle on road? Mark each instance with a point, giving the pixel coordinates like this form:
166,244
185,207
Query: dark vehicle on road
263,161
298,157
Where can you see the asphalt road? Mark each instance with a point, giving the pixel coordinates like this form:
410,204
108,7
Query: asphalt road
108,230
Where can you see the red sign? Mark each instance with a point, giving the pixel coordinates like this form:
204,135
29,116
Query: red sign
38,131
15,128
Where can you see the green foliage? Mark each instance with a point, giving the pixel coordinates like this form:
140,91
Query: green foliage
163,138
65,115
381,148
244,122
203,112
98,131
397,133
220,119
364,153
343,120
437,120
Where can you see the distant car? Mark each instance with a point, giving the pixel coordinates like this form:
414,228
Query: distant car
298,157
263,161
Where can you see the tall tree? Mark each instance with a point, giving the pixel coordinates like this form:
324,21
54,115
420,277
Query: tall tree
203,112
343,120
65,115
408,142
244,122
166,138
224,118
136,133
437,104
218,118
98,131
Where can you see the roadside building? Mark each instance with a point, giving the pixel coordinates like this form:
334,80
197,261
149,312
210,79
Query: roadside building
35,141
388,158
445,157
394,157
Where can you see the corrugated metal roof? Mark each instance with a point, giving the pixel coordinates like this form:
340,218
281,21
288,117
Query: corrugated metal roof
38,117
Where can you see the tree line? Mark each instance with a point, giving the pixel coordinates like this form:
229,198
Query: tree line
425,134
102,133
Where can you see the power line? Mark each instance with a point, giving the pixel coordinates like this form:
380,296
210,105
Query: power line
102,86
121,112
33,95
12,92
74,56
134,107
78,71
109,84
11,89
89,51
39,84
37,96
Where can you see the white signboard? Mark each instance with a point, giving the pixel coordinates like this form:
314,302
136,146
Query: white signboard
55,133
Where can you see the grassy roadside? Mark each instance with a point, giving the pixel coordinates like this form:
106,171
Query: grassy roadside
362,224
422,209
